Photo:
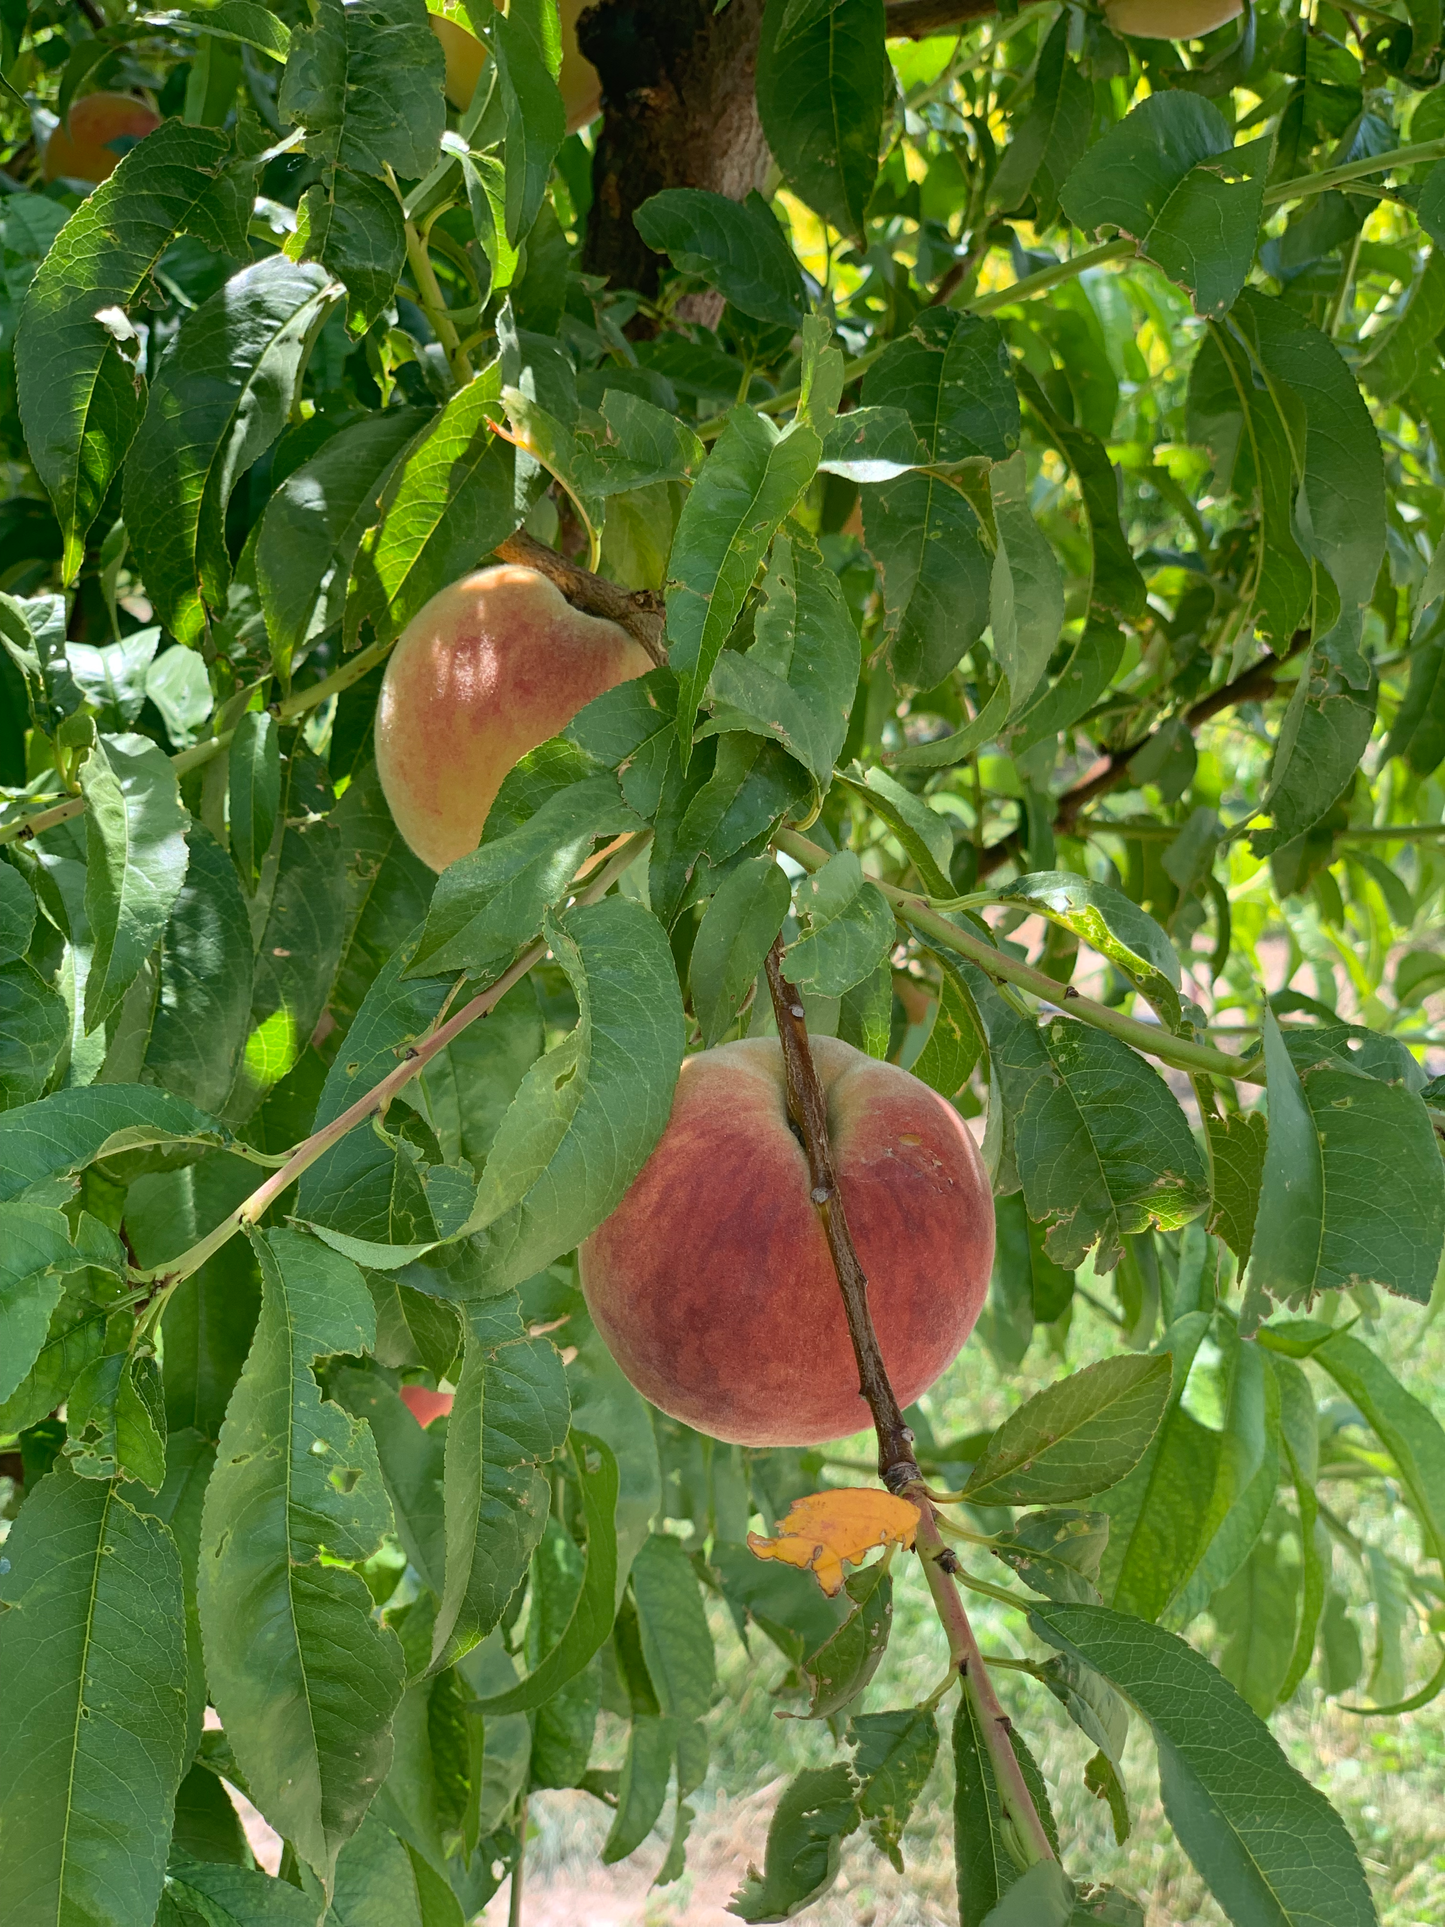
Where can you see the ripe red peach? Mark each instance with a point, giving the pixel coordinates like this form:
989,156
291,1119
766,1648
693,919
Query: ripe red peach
466,57
425,1404
712,1284
83,150
490,668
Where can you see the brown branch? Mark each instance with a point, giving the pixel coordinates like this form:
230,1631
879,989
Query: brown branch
638,611
897,1467
917,19
808,1109
1251,685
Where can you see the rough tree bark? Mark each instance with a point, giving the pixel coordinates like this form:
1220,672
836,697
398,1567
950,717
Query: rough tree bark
678,111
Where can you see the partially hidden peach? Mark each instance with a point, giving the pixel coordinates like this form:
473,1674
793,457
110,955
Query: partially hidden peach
1170,19
712,1284
490,668
425,1404
102,130
466,57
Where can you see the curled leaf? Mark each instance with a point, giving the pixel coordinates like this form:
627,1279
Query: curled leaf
827,1528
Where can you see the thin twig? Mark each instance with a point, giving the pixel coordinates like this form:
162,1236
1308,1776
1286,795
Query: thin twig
897,1467
254,1207
936,930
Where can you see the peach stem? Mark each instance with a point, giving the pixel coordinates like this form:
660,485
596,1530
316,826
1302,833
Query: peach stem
808,1111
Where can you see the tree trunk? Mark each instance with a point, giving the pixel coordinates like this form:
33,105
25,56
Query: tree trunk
678,111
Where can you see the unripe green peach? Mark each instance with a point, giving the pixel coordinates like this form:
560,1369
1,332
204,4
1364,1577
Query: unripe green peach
712,1282
83,150
490,668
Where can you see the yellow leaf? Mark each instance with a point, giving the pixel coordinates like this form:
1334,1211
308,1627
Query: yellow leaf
827,1528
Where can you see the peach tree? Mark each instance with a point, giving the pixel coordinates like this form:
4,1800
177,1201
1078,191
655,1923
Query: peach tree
1014,436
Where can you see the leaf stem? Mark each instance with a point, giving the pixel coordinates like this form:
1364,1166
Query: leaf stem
897,1467
254,1207
1152,1039
435,308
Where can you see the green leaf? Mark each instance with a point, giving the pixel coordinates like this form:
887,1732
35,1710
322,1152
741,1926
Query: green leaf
605,1406
17,914
642,1791
179,686
1049,139
1117,585
1340,512
815,1813
798,680
488,904
115,1420
411,1460
1240,422
1106,920
366,84
1352,1188
450,498
61,1134
1166,1546
1269,1846
676,1643
93,1675
1321,740
1258,1609
923,832
509,1417
34,1030
525,48
1236,1154
80,399
748,484
136,855
822,87
213,1895
840,1669
312,528
950,375
736,247
986,1867
299,948
894,1757
35,1255
304,1679
848,928
220,397
1170,177
590,1620
353,225
253,764
1042,1896
1408,1430
955,1042
588,1114
1026,591
737,931
1099,1142
203,999
1078,1437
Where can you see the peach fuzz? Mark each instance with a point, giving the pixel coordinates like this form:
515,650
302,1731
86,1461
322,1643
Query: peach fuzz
490,668
81,150
466,57
712,1284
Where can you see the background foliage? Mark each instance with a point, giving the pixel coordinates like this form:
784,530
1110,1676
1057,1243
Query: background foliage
1044,484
